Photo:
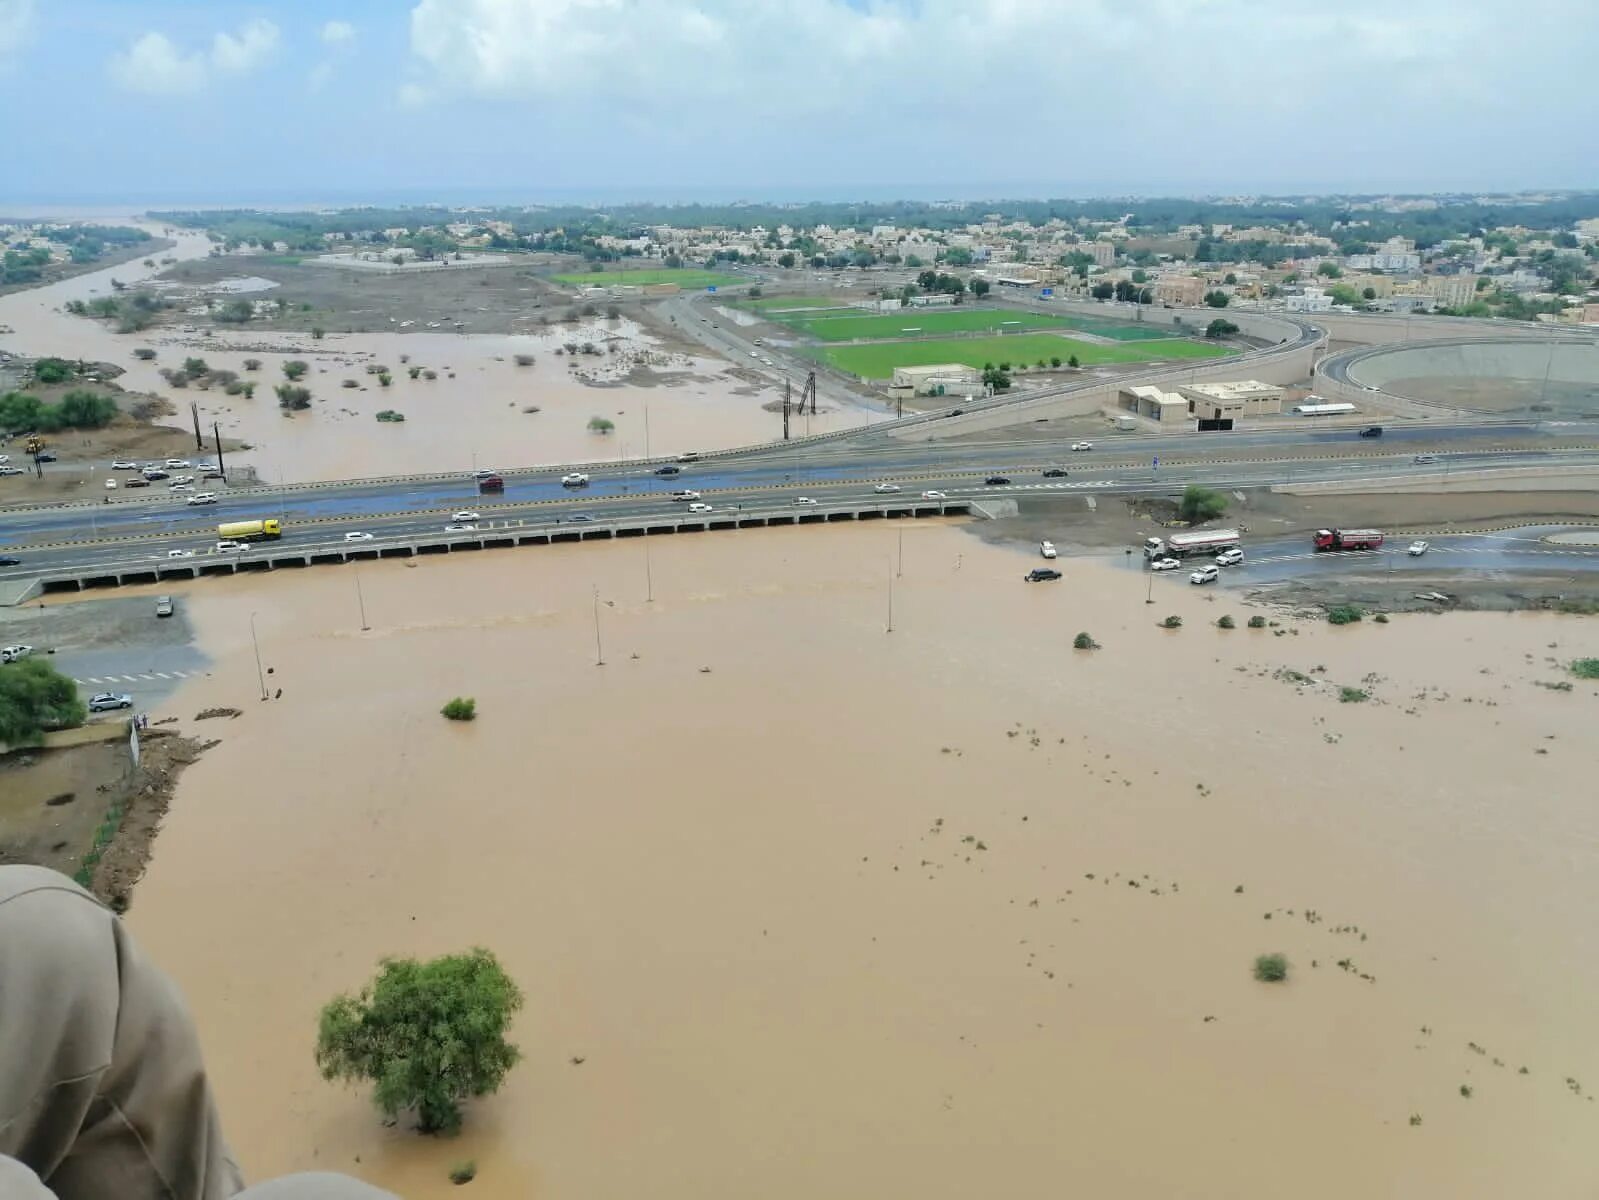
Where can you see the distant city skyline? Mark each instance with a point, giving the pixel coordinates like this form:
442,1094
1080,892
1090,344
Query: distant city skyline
286,102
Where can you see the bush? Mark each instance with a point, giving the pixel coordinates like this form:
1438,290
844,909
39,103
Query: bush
601,425
1054,360
1084,642
1257,622
1344,614
34,697
429,373
252,364
523,360
464,1172
428,1035
195,367
350,383
1201,504
413,372
1585,668
52,370
318,333
462,708
1172,622
293,398
385,379
1271,968
612,312
295,368
144,354
389,416
1352,695
1072,362
1224,622
235,388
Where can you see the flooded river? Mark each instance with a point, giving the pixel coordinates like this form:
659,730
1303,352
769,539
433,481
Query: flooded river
475,413
946,911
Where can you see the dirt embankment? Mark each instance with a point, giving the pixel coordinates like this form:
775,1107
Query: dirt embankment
56,272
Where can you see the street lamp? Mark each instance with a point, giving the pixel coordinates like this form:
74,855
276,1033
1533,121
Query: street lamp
259,673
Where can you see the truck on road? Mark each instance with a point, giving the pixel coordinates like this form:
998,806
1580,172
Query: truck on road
1348,539
251,531
1180,545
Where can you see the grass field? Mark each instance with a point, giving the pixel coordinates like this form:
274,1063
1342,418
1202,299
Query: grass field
931,322
768,304
878,361
688,277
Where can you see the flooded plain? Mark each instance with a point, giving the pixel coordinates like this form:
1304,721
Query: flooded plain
804,907
476,412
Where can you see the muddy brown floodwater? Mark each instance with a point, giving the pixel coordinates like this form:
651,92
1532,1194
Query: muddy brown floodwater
950,911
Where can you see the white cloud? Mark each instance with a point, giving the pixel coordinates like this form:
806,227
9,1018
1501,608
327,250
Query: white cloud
153,63
16,25
337,32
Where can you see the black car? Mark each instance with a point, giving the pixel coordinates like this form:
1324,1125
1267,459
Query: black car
44,456
1041,575
1371,431
995,481
1055,473
668,469
7,561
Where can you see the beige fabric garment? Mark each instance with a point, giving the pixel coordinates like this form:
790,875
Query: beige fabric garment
103,1094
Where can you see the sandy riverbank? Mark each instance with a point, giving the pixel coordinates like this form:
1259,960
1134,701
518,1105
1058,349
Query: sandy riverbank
947,911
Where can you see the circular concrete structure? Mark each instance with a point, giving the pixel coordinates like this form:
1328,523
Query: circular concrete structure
1544,376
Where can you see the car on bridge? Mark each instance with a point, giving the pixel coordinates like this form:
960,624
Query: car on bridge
180,553
356,535
575,480
460,527
202,498
884,489
1041,575
229,546
106,701
7,560
935,495
1055,473
685,495
1082,445
1425,458
669,469
997,481
467,515
1371,431
700,508
803,500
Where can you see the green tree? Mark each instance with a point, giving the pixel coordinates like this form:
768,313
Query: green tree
1072,362
427,1035
1102,291
1368,293
34,697
980,288
1140,276
1201,504
957,256
786,260
293,398
996,378
195,367
52,370
1216,299
236,312
913,261
1330,270
295,368
1219,328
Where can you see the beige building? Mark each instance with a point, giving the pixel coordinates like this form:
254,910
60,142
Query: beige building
1230,401
1453,291
1164,408
1104,252
1382,286
1185,290
940,379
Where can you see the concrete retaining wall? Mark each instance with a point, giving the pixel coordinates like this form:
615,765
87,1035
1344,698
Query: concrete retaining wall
1503,479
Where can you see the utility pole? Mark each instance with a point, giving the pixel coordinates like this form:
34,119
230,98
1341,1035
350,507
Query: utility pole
785,409
216,438
194,411
259,673
599,652
649,575
360,599
900,570
890,628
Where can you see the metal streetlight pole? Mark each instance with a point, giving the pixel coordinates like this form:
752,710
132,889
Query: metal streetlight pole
599,652
890,628
259,673
360,599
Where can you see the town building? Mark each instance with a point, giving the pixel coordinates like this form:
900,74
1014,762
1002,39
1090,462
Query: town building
940,379
1185,290
1231,400
1166,409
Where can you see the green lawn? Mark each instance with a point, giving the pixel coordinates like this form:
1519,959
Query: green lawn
689,277
769,304
931,322
878,361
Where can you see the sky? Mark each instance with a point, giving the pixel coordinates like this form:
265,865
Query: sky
279,102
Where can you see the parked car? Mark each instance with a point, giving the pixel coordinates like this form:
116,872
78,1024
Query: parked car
207,465
177,463
884,489
356,535
1230,557
803,500
1167,563
935,495
685,495
1371,431
228,546
1205,574
1418,548
575,479
669,469
202,498
151,474
1082,445
123,464
1041,575
110,485
212,473
15,653
106,701
467,515
136,481
163,606
1047,549
996,481
1055,473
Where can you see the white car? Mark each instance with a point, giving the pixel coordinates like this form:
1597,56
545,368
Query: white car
110,485
180,553
175,463
227,546
180,487
5,458
700,508
803,500
935,495
1205,575
15,653
1230,557
1082,445
1047,549
12,471
685,494
121,464
207,466
884,489
1165,563
1417,549
202,498
355,535
575,479
183,479
461,527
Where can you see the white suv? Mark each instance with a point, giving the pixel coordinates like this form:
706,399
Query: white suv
1204,575
1230,557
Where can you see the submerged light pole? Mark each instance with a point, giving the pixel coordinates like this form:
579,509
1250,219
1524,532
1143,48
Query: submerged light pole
259,673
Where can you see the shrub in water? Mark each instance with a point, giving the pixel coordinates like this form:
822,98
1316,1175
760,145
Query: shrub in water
462,708
1084,642
1344,614
1172,622
1271,968
1257,622
1224,622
